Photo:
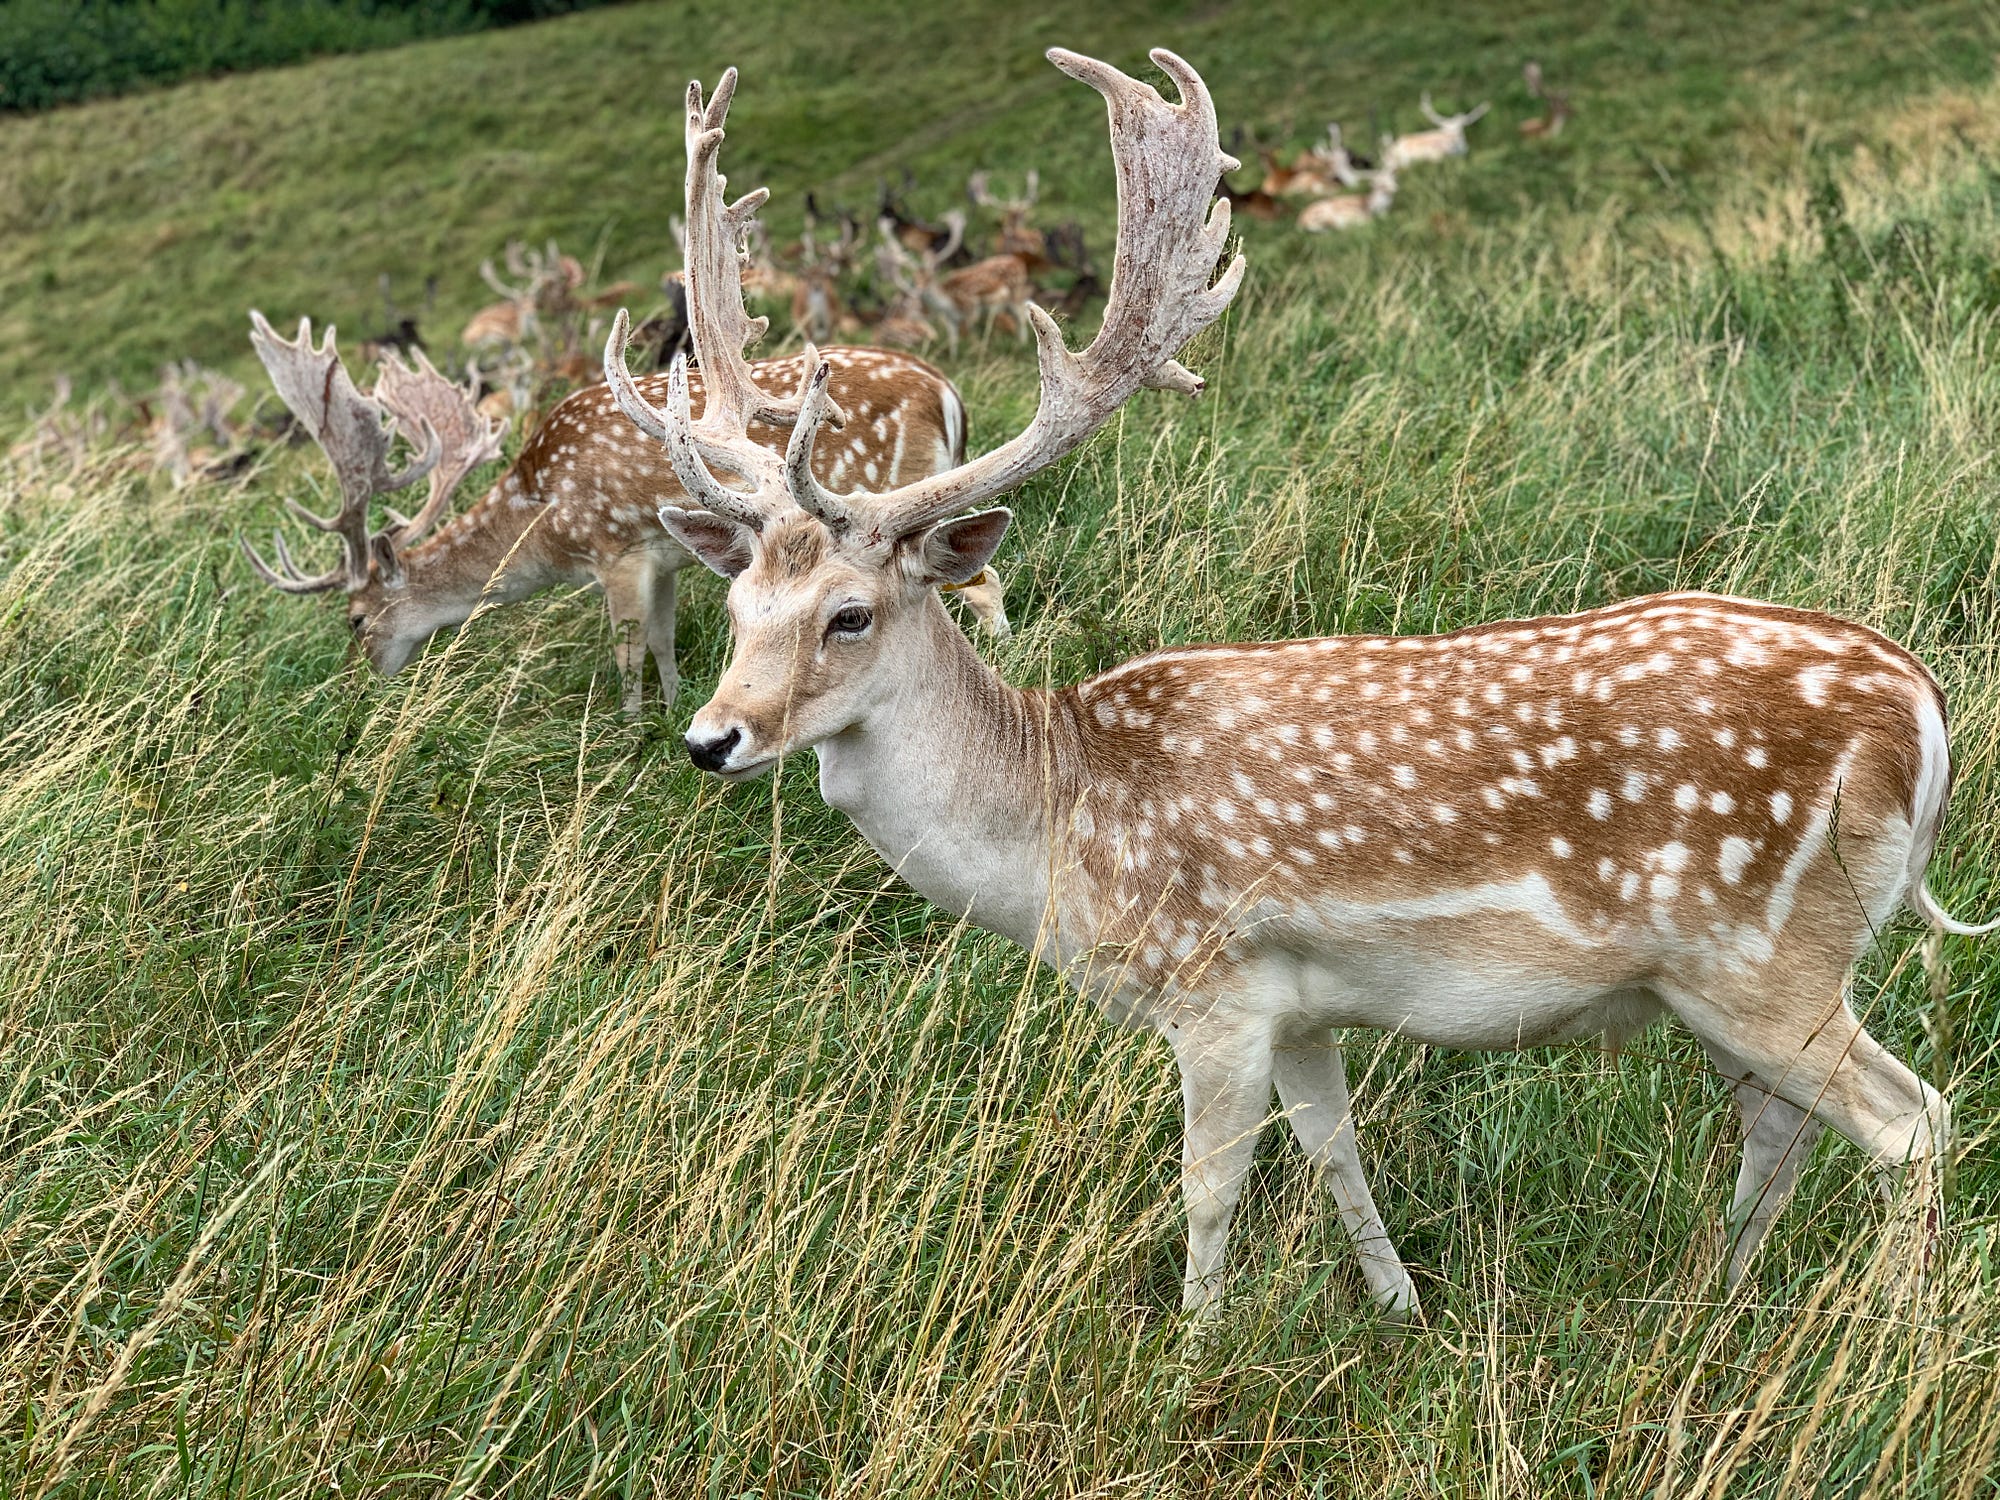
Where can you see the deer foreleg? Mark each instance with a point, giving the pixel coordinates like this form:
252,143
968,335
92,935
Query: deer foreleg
660,633
1225,1094
628,588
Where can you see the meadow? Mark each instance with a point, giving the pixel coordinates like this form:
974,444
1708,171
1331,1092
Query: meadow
437,1087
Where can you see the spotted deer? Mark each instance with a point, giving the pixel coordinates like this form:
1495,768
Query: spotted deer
578,506
1497,838
1446,138
996,285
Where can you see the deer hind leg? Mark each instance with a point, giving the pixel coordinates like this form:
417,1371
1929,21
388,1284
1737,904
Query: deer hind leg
1312,1086
1778,1136
628,592
660,632
1825,1064
1225,1097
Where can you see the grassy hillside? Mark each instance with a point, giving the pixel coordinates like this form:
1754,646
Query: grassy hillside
138,231
436,1087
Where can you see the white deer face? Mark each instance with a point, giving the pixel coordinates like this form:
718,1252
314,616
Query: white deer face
826,628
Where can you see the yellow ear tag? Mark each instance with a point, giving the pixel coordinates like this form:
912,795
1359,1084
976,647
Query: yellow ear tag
984,575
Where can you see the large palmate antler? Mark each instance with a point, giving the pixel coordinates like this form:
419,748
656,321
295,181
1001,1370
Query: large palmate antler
721,330
349,428
1171,233
419,396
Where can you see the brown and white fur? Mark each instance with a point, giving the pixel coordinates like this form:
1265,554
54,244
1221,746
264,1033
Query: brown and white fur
1502,837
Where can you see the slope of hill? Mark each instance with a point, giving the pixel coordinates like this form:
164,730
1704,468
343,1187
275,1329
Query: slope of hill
139,230
435,1087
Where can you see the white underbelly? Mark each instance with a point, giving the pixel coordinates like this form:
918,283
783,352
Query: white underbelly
1457,1001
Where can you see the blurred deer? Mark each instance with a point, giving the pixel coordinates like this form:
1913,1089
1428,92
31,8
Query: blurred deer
1016,235
1555,106
1352,210
917,298
1446,140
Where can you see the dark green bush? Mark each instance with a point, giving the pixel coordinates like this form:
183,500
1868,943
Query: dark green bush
56,51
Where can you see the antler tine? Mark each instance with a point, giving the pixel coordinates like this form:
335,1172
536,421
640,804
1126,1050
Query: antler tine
1473,114
492,278
815,408
954,223
467,439
1034,189
976,189
290,582
1171,232
718,324
1429,113
686,451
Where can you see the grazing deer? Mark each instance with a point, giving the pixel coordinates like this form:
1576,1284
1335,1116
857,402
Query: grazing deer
1501,837
577,507
1555,105
1446,140
1016,236
1351,210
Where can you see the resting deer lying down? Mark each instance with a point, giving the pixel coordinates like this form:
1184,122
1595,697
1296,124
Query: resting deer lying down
1444,141
579,505
1497,838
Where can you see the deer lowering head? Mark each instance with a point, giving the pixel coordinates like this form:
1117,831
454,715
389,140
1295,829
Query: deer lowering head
1513,834
833,594
355,434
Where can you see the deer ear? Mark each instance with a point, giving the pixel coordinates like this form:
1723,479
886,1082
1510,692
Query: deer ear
388,566
953,552
722,545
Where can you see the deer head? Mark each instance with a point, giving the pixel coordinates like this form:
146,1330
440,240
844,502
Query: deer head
357,432
831,595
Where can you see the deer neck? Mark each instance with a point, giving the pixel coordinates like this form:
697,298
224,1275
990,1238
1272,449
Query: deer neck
490,552
965,785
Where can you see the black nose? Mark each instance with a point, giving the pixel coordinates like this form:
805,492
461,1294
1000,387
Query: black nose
711,755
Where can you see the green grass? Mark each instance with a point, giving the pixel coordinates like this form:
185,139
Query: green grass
437,1087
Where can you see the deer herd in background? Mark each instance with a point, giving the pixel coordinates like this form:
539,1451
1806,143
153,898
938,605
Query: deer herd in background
1327,187
1510,835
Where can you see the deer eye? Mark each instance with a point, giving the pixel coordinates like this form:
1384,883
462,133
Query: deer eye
852,620
357,623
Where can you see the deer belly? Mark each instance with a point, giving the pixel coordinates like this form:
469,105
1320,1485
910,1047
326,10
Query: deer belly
1477,970
1455,999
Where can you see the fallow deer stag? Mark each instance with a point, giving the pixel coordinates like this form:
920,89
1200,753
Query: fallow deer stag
1497,838
1446,139
578,506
